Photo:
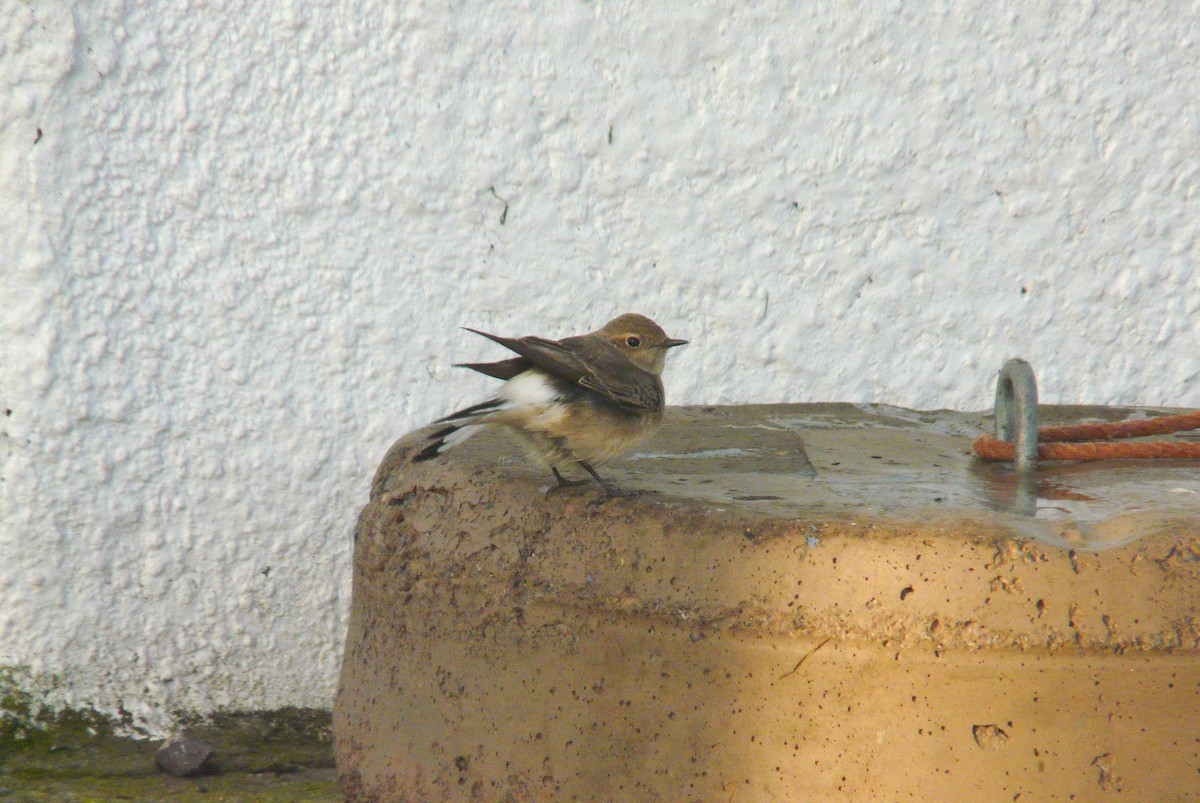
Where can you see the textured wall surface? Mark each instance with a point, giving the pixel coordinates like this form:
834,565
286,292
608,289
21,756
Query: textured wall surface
237,240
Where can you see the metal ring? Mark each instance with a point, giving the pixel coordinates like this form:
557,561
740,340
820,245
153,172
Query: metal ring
1016,412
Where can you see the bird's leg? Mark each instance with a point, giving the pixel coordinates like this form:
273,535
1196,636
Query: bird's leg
563,482
609,491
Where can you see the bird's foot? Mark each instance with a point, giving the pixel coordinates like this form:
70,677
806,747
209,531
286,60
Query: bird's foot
609,491
563,482
613,493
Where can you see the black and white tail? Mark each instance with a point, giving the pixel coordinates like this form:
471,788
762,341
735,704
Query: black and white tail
459,427
528,396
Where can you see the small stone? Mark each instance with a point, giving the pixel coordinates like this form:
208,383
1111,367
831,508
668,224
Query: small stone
1107,765
183,755
990,737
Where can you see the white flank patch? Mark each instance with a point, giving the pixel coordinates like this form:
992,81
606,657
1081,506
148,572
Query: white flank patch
532,397
529,390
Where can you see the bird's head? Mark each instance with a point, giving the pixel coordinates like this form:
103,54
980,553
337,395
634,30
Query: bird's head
641,340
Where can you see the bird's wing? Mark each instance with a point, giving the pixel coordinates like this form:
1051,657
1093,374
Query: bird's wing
595,366
505,369
609,374
640,393
548,355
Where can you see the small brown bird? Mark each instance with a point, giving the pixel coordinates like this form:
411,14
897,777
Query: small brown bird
586,400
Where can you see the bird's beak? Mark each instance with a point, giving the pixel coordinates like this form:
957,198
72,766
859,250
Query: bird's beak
671,343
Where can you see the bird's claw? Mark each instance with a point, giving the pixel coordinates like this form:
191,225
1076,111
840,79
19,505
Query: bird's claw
612,493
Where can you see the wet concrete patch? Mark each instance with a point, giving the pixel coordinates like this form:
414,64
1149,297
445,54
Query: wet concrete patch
875,460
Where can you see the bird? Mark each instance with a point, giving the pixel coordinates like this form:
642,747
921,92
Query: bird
580,401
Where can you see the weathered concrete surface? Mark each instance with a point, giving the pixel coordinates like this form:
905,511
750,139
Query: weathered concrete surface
813,603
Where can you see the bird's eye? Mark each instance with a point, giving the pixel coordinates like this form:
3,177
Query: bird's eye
633,341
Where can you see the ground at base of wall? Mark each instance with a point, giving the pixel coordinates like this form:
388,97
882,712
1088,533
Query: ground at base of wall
270,756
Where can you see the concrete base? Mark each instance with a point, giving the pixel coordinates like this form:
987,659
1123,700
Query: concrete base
506,643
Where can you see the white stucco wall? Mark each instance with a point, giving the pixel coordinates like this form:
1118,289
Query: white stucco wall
234,261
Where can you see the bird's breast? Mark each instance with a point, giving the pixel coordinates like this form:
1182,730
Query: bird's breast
596,433
564,422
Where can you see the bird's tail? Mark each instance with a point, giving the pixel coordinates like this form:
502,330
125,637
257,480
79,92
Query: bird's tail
459,427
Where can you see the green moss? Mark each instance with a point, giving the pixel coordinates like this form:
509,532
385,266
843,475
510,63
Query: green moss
312,786
283,755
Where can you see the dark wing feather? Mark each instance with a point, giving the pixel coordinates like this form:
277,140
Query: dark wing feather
610,375
505,369
645,394
591,364
548,355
